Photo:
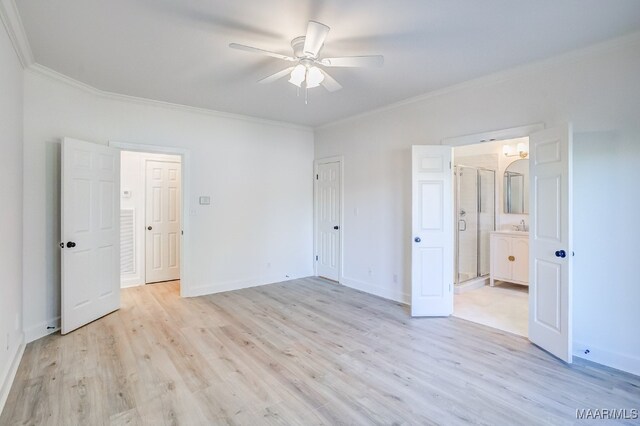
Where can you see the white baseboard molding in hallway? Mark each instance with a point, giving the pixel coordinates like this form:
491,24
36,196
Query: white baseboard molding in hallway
236,285
7,381
602,356
42,329
385,293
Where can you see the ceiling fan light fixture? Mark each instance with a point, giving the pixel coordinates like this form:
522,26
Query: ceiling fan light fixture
314,77
298,75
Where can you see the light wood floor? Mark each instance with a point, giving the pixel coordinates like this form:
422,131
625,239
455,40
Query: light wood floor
300,352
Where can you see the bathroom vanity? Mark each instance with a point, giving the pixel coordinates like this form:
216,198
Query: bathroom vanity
509,257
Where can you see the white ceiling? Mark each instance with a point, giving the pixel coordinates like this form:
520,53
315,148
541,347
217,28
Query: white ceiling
177,50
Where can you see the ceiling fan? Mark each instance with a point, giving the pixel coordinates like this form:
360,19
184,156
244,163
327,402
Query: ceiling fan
308,72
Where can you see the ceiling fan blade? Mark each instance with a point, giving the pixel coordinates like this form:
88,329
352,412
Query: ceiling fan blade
276,76
261,51
316,33
354,61
330,83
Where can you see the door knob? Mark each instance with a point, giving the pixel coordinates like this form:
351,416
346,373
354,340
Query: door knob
71,244
149,228
561,253
336,227
417,239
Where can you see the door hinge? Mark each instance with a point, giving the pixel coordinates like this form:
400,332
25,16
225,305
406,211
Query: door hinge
316,177
316,258
449,165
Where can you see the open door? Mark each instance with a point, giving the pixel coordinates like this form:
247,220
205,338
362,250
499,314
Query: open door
90,232
551,252
432,236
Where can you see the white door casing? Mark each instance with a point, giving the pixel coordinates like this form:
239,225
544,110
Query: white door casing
432,239
550,285
328,214
163,224
90,210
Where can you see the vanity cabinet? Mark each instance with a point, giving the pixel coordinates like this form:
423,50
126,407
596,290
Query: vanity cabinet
509,257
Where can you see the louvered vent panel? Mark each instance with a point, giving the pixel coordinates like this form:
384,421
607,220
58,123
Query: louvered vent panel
127,242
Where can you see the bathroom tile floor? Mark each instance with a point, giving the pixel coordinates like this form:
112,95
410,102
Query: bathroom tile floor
505,307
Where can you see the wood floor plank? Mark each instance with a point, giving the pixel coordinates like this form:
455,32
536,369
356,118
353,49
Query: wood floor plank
300,352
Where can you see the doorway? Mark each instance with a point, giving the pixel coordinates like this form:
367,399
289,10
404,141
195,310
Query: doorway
548,246
328,218
150,217
492,228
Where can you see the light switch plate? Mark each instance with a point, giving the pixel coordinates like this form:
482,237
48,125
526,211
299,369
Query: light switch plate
204,200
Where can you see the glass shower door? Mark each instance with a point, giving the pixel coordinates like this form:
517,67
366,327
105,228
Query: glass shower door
486,216
467,215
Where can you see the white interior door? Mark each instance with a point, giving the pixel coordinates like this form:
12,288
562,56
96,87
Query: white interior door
551,244
432,251
328,220
162,211
90,232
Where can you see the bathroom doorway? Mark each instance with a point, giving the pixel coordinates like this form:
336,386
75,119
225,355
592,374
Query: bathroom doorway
491,223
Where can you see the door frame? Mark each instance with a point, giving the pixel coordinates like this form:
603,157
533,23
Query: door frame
185,278
316,164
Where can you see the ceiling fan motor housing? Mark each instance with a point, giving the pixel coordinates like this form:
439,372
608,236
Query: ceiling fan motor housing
297,44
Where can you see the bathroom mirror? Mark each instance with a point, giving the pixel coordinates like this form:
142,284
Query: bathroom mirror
516,187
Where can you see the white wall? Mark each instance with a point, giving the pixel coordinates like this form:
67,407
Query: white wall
257,230
11,115
133,178
599,91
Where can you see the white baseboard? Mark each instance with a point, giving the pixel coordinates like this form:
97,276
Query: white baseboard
624,362
7,381
40,330
235,285
383,292
130,284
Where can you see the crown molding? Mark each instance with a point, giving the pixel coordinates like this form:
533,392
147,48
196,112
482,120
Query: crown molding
500,76
13,23
38,69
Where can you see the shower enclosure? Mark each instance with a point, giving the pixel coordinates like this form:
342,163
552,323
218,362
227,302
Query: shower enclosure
476,216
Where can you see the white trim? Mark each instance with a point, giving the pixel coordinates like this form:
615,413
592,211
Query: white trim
48,72
231,285
384,292
501,76
624,362
7,381
185,278
15,30
130,282
40,330
494,135
316,163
